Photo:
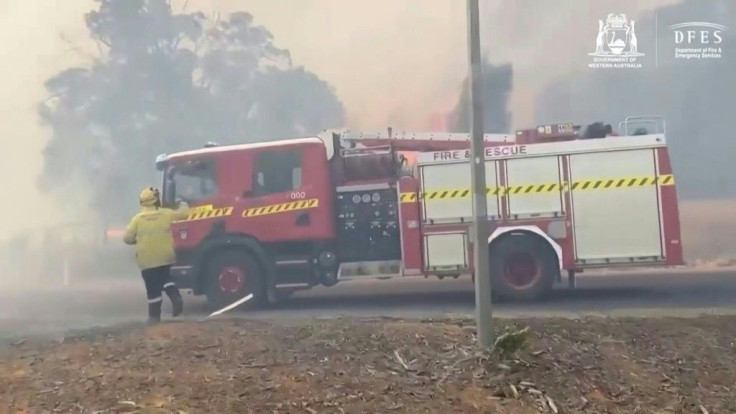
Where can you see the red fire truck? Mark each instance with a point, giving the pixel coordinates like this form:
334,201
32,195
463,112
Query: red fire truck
273,217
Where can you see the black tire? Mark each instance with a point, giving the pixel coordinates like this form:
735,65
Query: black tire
223,285
523,267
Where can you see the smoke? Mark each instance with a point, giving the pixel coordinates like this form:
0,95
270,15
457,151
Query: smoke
544,40
383,68
496,88
696,98
33,51
391,62
398,63
163,81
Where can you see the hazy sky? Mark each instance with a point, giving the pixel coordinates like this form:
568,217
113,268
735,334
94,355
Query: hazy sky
32,51
395,62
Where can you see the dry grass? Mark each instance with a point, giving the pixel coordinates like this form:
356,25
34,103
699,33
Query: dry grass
380,365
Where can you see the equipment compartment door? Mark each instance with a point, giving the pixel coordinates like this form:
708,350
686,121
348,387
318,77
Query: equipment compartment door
446,251
616,213
446,192
534,187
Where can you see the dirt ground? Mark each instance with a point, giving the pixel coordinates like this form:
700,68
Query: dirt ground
378,366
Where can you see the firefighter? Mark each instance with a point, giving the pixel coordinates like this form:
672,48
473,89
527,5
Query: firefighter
150,232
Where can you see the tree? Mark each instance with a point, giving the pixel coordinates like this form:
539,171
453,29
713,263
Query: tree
265,95
166,82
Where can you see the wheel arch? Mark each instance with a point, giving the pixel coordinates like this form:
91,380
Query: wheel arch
527,230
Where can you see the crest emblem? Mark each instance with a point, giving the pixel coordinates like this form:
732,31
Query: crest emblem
616,37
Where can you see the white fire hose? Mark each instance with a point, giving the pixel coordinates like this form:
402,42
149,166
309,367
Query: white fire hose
231,306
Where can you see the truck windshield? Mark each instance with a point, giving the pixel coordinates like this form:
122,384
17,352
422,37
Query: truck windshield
191,182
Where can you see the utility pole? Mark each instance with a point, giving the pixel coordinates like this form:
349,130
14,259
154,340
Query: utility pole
479,233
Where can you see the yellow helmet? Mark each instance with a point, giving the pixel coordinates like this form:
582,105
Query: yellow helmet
149,196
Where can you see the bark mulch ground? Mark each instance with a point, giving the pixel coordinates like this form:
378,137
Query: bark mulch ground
379,366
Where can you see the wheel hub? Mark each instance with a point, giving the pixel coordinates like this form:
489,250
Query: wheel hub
232,279
521,270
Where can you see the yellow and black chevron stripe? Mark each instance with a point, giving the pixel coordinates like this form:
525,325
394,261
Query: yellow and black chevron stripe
408,197
582,185
623,182
207,212
528,189
281,208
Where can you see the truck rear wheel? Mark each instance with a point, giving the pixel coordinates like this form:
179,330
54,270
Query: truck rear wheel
232,275
523,267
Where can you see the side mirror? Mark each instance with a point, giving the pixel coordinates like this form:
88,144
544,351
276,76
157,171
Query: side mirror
161,162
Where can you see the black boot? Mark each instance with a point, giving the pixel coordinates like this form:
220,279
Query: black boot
154,312
177,304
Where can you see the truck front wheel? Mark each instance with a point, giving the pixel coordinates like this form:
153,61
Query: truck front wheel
523,267
232,275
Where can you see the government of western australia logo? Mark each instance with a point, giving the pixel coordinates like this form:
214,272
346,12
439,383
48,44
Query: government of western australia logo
616,45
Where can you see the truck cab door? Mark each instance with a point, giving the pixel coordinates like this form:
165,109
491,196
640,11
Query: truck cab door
281,204
197,183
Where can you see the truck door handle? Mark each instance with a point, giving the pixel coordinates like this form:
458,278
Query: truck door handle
302,220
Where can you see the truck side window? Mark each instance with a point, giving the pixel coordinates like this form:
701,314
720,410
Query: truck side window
277,172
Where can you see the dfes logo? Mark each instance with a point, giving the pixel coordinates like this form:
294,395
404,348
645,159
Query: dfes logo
698,40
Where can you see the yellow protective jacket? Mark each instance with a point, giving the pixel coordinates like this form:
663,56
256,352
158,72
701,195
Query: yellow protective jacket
150,232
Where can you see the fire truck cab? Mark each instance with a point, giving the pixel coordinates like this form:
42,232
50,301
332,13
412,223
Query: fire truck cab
273,217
